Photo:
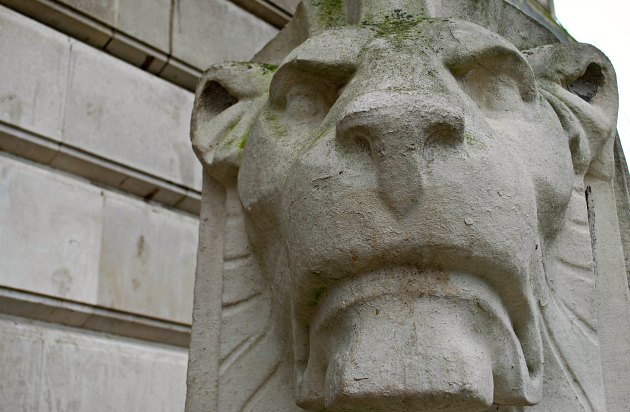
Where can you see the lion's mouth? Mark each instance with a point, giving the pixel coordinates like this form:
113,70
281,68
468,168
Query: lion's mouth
415,338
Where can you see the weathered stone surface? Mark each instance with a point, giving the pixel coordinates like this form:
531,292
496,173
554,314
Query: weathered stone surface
147,261
92,245
34,71
426,191
93,102
137,53
146,20
129,116
47,368
64,18
46,308
50,240
288,5
103,10
205,32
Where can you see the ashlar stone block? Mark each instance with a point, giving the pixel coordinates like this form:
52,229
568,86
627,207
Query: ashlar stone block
129,116
48,368
34,71
65,92
207,32
147,262
146,20
50,237
65,19
63,237
103,10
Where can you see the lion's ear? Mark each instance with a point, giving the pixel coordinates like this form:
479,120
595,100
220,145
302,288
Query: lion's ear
580,83
227,101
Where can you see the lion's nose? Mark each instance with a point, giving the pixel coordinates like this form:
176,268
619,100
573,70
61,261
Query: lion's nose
403,134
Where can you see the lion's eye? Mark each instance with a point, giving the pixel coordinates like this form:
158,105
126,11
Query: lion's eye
309,102
491,91
303,98
496,82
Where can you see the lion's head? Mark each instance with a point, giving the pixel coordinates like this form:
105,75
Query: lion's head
411,180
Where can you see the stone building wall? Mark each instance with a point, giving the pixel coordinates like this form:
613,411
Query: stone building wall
99,195
100,191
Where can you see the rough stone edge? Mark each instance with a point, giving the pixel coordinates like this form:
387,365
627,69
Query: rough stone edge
203,356
31,305
613,296
31,146
622,196
543,16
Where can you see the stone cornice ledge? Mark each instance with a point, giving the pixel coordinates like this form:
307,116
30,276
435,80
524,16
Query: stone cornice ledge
95,318
266,10
37,148
89,30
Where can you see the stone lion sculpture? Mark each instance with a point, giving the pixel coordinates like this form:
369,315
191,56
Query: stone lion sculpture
402,205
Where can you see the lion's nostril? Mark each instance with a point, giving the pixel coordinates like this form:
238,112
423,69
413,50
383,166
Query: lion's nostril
362,144
443,137
373,121
448,133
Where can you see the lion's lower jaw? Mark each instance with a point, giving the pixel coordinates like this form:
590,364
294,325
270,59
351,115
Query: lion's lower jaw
444,342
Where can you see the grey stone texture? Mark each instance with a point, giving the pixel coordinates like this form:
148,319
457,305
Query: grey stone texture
288,5
54,310
160,36
147,260
49,368
276,12
141,32
93,115
146,20
103,10
92,245
32,97
118,114
99,195
55,221
223,22
411,205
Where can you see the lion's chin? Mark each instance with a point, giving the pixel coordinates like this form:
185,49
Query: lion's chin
394,340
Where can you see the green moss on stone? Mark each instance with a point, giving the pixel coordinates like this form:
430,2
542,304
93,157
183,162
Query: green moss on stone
268,68
397,26
323,131
271,116
472,140
264,67
243,141
243,64
273,122
240,141
331,12
469,138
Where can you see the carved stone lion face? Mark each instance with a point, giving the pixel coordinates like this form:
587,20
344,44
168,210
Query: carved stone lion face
403,182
